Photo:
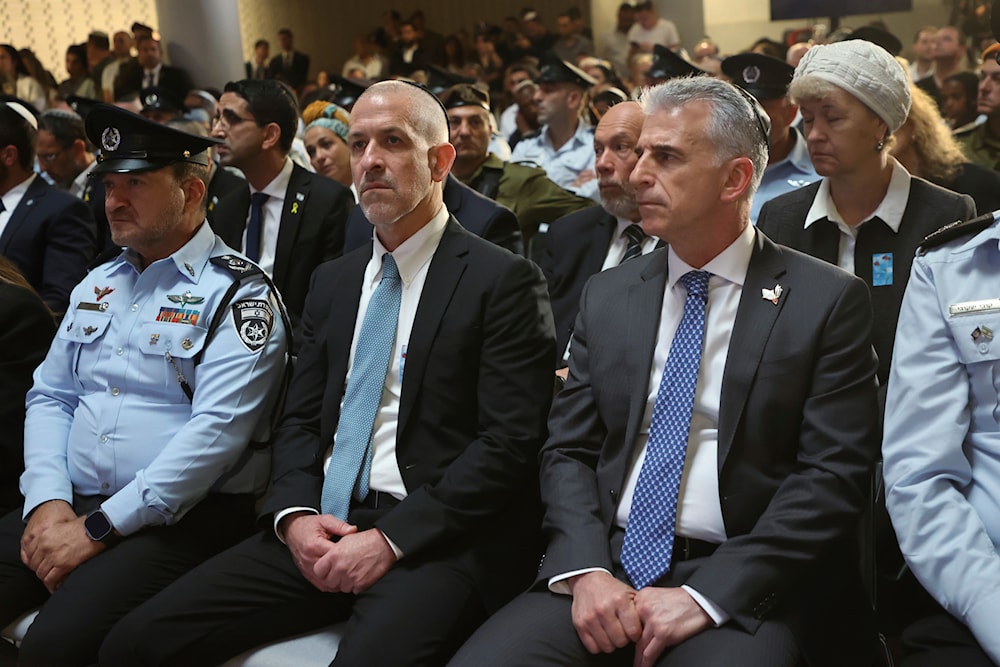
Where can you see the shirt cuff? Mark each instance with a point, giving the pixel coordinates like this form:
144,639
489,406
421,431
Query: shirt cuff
283,513
557,584
392,545
717,613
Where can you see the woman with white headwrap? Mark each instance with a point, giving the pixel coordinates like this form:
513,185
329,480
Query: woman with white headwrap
867,214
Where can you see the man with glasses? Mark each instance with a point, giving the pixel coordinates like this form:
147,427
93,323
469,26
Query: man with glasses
48,234
288,220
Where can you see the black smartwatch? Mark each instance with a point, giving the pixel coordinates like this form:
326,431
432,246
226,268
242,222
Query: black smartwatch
98,527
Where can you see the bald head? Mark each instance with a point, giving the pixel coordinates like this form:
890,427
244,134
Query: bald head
615,140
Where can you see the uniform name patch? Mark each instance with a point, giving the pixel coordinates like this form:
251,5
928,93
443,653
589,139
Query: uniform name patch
253,319
178,315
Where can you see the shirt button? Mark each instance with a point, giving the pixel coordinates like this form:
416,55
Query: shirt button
120,351
134,307
984,348
105,485
115,391
104,438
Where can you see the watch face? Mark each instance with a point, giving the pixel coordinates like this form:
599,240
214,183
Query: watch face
97,526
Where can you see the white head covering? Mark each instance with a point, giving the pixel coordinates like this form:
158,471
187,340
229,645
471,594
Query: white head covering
864,70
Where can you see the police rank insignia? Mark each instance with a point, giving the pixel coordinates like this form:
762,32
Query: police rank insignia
982,333
111,138
253,319
237,263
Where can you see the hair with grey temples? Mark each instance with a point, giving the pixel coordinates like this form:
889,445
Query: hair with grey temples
733,127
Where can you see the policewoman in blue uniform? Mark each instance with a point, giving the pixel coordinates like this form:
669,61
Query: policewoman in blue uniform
138,454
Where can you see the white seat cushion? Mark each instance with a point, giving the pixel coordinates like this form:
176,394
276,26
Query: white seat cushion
306,650
15,631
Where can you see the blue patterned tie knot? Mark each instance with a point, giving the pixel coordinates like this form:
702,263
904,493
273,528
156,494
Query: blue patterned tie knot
649,536
351,462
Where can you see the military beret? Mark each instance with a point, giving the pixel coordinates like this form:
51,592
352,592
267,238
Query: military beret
465,95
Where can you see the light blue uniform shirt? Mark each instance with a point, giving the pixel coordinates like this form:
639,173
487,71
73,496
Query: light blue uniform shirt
564,165
107,416
792,173
941,444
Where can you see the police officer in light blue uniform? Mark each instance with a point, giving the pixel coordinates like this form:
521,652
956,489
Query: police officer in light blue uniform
941,445
789,166
138,454
564,146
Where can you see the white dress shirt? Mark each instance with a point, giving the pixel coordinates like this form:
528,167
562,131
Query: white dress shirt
890,211
271,218
11,199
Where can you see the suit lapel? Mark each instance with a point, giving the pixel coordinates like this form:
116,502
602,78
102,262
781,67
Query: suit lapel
19,216
597,249
755,318
292,216
645,301
443,275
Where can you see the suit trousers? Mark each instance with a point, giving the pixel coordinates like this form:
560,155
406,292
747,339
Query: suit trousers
417,614
74,620
536,630
940,639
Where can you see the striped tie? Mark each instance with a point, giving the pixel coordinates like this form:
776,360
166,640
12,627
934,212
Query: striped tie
636,237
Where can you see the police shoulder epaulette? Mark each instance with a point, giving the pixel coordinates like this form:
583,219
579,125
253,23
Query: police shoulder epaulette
532,135
104,257
955,230
239,267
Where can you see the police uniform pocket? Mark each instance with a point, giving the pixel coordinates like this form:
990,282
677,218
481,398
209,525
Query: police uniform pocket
85,326
974,337
171,349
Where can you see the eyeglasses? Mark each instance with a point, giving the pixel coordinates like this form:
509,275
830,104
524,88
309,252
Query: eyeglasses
228,119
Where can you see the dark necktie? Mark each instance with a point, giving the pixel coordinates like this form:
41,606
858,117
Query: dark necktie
2,207
351,462
149,80
257,201
635,237
649,536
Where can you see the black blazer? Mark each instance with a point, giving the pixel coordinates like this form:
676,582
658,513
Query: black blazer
223,182
797,438
294,76
575,248
93,197
311,230
24,339
175,79
475,396
51,237
480,215
928,208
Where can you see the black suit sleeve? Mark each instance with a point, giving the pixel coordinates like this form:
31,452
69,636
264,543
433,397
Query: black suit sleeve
503,230
335,222
70,246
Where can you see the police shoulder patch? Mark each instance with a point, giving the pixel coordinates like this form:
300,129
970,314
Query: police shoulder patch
956,230
254,320
237,266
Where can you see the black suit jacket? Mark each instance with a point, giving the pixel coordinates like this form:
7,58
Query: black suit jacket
928,208
93,197
294,76
797,437
475,396
478,214
575,248
311,230
223,182
174,79
51,238
24,339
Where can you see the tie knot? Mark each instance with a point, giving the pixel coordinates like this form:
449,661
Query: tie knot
696,283
259,198
634,233
389,269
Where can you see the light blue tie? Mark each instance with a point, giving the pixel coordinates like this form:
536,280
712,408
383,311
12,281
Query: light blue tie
351,463
649,536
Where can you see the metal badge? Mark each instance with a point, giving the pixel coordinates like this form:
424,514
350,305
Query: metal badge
185,299
982,332
89,330
102,292
969,307
187,344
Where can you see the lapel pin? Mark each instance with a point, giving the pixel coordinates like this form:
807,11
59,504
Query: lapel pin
771,295
89,330
154,339
300,196
190,269
295,208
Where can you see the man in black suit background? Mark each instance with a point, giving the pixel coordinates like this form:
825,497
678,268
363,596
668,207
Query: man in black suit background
586,242
288,220
151,71
49,235
439,520
289,65
707,460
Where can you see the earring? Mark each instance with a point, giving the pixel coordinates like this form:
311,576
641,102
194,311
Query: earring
879,146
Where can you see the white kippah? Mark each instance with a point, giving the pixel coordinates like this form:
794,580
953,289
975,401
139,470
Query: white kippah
864,70
23,112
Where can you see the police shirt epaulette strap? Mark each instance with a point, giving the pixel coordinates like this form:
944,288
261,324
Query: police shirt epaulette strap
955,230
104,257
237,266
532,135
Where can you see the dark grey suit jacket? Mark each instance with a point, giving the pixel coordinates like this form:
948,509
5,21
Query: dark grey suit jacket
928,208
311,230
797,438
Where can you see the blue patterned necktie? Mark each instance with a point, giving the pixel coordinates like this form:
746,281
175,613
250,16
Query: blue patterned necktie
351,463
649,536
636,237
257,201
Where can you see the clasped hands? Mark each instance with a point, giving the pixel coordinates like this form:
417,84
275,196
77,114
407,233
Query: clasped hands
609,614
351,564
54,543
